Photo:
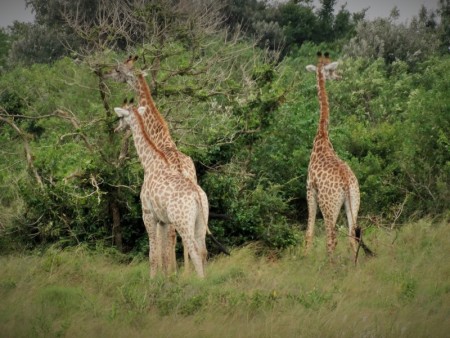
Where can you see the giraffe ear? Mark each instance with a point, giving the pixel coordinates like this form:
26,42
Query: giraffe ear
311,68
332,65
144,72
142,110
121,112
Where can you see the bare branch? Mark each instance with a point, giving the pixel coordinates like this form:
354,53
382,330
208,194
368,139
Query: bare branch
68,115
399,211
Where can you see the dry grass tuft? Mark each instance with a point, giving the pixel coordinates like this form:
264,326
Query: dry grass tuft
403,292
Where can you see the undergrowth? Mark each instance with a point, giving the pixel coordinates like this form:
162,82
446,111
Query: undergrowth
402,292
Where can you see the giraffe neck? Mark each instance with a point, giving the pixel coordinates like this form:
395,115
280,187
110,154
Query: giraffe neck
153,160
323,103
149,154
322,140
155,125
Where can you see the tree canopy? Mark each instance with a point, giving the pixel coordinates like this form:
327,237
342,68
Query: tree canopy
229,78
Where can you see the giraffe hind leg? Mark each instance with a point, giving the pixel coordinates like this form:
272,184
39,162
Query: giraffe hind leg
201,227
330,212
351,209
187,235
355,231
195,255
330,225
312,212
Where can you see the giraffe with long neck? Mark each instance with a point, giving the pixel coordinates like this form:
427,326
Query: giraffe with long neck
156,127
154,122
167,197
330,181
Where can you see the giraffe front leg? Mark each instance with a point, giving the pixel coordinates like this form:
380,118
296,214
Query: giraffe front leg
154,253
311,196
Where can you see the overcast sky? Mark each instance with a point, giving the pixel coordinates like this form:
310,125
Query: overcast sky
382,8
11,10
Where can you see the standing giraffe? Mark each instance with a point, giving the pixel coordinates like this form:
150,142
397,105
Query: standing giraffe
330,182
156,127
167,197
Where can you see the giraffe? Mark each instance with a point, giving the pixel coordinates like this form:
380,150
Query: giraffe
155,124
330,181
167,197
157,128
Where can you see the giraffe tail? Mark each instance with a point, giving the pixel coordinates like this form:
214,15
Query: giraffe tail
205,219
219,245
358,236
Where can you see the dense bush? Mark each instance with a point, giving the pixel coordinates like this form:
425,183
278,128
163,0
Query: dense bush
247,120
396,122
382,38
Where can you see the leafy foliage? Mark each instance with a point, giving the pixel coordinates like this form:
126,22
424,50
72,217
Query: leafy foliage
248,121
35,43
80,293
382,38
4,48
286,25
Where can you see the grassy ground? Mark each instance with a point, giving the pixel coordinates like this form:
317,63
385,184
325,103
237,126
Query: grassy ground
403,292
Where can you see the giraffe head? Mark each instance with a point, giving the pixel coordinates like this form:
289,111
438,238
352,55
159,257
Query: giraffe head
125,114
124,72
328,68
130,116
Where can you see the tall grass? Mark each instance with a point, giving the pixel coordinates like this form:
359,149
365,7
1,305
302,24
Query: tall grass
403,292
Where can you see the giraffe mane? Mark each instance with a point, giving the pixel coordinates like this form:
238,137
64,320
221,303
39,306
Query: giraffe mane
129,62
147,138
145,90
151,103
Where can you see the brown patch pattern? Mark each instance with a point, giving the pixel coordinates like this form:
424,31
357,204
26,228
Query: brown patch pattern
330,182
